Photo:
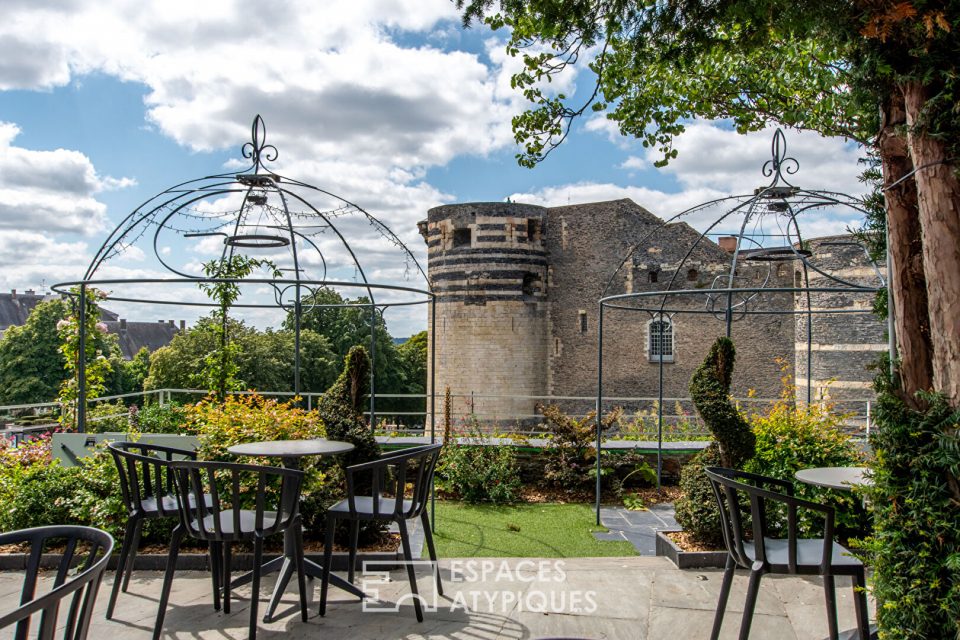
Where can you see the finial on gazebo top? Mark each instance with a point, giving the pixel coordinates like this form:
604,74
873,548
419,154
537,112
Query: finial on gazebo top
779,162
257,149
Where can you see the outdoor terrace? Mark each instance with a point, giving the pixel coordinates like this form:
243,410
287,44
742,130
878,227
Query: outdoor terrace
636,598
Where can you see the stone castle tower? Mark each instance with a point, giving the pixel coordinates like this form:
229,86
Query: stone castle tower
488,267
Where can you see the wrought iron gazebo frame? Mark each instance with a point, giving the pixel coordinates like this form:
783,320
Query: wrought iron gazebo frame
725,300
258,186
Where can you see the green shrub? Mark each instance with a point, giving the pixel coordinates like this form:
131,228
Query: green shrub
156,418
106,417
790,438
697,510
710,392
915,548
477,472
571,455
341,408
733,444
252,418
34,489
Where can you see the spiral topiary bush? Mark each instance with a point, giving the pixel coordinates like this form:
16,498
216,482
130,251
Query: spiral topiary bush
733,444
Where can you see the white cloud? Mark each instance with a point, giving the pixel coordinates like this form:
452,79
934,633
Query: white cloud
32,258
634,163
718,158
599,123
715,163
51,191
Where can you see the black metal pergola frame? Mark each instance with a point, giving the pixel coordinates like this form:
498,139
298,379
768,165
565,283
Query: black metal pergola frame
264,220
725,300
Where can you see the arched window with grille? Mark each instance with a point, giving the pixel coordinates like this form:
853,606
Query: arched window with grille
660,341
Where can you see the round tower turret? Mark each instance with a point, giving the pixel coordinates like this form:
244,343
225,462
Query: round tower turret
487,266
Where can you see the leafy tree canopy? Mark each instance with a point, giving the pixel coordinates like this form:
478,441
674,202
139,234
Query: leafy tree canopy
264,359
349,326
822,66
32,367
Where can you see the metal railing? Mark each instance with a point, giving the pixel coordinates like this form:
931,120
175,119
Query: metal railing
639,419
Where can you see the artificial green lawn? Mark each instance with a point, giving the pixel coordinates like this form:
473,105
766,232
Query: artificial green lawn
523,530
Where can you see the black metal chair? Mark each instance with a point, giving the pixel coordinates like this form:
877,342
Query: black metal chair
94,544
149,491
414,465
225,520
762,554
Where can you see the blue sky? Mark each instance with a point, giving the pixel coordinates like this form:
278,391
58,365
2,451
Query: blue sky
389,104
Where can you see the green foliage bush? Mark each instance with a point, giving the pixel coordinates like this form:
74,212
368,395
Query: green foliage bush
915,547
697,510
790,438
733,444
35,490
342,405
476,472
168,418
106,417
252,418
571,455
710,392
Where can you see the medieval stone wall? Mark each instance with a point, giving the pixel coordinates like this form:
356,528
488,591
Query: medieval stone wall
846,337
517,309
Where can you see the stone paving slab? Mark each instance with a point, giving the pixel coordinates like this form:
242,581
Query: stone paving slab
636,527
518,599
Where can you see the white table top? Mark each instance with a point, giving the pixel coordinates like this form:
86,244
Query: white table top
292,448
843,478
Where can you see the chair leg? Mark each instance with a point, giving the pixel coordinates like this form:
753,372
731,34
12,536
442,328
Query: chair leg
175,540
301,582
327,559
830,592
121,567
428,536
134,546
724,596
408,556
753,588
354,543
255,595
860,604
214,549
227,561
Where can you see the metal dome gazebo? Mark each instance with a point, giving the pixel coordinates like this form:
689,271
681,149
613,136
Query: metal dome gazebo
311,237
768,267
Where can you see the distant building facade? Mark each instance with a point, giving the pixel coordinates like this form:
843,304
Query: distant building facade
517,309
16,306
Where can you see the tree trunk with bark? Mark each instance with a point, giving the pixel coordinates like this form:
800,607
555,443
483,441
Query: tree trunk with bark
908,291
938,192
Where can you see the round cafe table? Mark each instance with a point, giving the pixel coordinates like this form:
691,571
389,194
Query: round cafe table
290,452
842,478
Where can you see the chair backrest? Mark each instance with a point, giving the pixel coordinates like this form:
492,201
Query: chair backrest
415,466
218,488
84,546
756,489
145,473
